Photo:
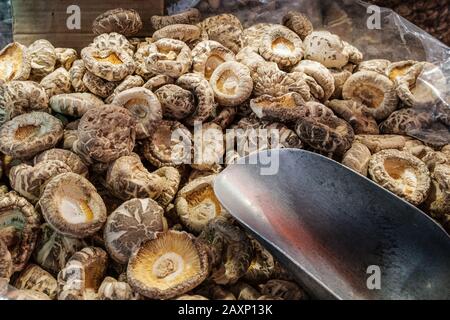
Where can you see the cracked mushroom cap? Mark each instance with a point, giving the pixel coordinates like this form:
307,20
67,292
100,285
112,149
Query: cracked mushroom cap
43,58
373,90
140,58
111,289
106,133
197,204
376,143
170,145
74,104
377,65
253,35
82,275
74,162
57,82
128,83
144,107
37,279
263,266
299,23
158,81
398,69
135,221
208,55
203,93
405,121
6,263
326,48
282,46
123,21
224,28
171,182
321,75
190,16
98,86
112,64
231,250
232,83
28,134
113,40
331,134
250,58
19,223
357,158
421,85
168,266
285,108
209,147
19,97
28,181
286,290
15,62
438,203
176,102
187,33
65,57
127,178
169,57
401,173
72,206
76,74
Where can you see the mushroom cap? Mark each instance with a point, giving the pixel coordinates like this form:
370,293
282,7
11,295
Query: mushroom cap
286,290
128,83
249,57
140,60
253,35
357,158
406,121
189,16
326,48
127,178
72,206
112,64
74,104
438,203
171,182
30,133
135,221
170,145
299,23
19,218
321,75
113,40
398,69
68,157
285,108
76,74
43,58
224,28
373,90
35,278
183,32
158,81
340,77
124,21
330,134
263,266
377,65
282,46
177,263
207,55
15,62
144,107
401,173
376,143
6,263
169,57
111,289
65,57
176,102
98,86
209,147
232,83
106,133
196,204
57,82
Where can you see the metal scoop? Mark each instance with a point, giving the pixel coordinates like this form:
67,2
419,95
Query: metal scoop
340,234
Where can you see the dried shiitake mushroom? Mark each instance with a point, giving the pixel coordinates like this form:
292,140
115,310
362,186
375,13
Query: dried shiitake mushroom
158,81
397,69
438,203
140,58
326,48
113,40
30,133
169,57
263,266
54,249
15,62
170,145
124,21
224,28
208,147
373,90
134,222
203,93
6,263
127,178
377,65
76,74
170,184
232,83
72,206
187,33
231,251
208,55
282,46
43,58
253,35
285,108
19,223
331,134
37,279
106,133
110,64
299,23
28,180
65,57
82,275
98,86
19,97
176,102
57,82
111,289
74,162
376,143
405,121
190,16
357,158
421,85
171,265
128,83
321,75
355,113
286,290
196,204
340,77
74,104
401,173
144,107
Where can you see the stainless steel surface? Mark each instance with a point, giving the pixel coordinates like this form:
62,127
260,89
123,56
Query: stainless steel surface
327,225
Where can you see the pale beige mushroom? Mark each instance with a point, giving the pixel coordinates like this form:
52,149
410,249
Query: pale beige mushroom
321,75
15,62
326,48
397,69
249,57
74,104
35,278
190,16
169,57
57,82
74,162
377,65
357,158
157,82
65,57
187,33
43,58
208,147
113,40
76,74
111,289
253,35
340,77
438,203
140,58
377,143
128,83
208,55
285,108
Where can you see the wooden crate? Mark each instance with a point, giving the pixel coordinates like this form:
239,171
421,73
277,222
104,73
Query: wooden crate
48,19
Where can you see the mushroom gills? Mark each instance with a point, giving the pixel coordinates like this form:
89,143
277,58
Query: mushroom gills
26,132
111,58
369,95
211,64
201,201
10,63
402,172
282,46
228,82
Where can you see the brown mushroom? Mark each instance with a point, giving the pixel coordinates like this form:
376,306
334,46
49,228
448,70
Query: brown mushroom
224,28
74,162
190,16
438,202
35,278
176,102
299,23
43,58
124,21
74,104
128,83
285,108
57,82
187,33
6,263
340,77
321,75
377,65
98,86
405,121
157,82
208,55
15,62
286,290
76,74
357,158
169,57
111,289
